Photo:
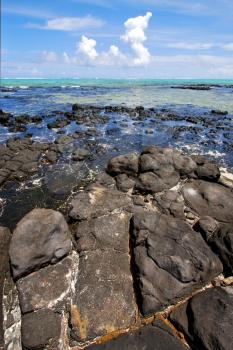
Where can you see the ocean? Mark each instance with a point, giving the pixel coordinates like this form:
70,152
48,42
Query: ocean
40,95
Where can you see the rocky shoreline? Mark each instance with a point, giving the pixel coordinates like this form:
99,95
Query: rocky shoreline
141,258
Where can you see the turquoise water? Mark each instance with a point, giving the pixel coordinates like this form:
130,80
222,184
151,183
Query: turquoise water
41,95
110,82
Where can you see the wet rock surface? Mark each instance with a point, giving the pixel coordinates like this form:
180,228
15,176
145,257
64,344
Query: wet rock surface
21,158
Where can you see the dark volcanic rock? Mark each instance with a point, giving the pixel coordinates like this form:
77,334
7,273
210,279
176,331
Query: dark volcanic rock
108,231
41,330
36,119
40,238
51,156
50,287
220,237
153,337
152,183
124,183
207,226
96,202
207,319
66,139
22,119
192,87
171,203
172,260
60,181
217,111
104,274
4,117
59,123
161,168
209,199
127,164
162,157
20,158
80,154
105,180
208,171
5,237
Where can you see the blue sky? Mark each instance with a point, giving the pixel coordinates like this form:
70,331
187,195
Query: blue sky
120,38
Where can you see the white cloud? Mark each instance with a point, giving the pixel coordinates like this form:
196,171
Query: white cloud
135,36
86,47
190,46
68,24
49,56
228,47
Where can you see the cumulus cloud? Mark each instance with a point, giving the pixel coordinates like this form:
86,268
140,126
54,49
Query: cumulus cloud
135,36
86,47
68,24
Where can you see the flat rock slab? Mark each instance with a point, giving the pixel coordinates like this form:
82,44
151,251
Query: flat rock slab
50,287
106,232
41,330
104,297
171,260
209,199
153,337
96,202
40,238
207,319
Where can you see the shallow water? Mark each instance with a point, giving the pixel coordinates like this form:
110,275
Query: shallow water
39,96
209,134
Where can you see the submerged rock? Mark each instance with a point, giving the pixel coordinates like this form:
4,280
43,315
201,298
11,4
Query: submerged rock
80,154
40,238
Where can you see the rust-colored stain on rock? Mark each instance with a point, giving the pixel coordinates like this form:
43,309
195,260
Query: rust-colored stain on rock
78,322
